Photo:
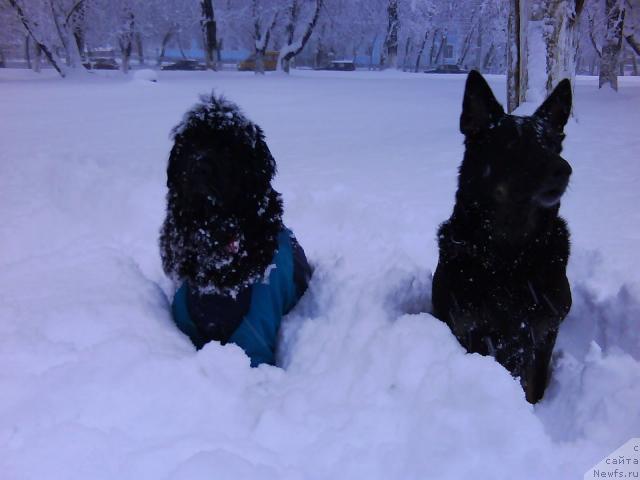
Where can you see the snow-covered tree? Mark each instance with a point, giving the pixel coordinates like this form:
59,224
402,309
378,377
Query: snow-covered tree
38,23
390,51
632,26
538,42
517,53
13,35
561,34
416,19
612,43
209,34
542,47
301,18
264,15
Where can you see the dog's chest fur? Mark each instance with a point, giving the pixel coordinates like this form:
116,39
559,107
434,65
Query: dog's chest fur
505,300
497,285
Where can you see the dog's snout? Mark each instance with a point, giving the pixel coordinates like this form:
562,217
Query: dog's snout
562,169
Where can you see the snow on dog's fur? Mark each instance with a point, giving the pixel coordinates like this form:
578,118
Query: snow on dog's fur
501,282
223,238
223,216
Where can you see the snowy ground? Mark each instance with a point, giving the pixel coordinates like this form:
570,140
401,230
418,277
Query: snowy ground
98,384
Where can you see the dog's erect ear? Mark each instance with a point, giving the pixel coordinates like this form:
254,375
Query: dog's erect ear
480,109
556,108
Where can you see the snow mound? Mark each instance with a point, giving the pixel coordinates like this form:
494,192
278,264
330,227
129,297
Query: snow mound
145,75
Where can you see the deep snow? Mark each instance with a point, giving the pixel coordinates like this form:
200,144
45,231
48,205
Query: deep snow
97,383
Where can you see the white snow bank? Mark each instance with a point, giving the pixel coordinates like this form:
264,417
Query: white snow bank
145,75
98,383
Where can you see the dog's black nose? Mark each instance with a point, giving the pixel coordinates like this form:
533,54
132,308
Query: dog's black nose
554,185
562,169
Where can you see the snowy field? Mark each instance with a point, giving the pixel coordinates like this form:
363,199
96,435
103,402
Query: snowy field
97,383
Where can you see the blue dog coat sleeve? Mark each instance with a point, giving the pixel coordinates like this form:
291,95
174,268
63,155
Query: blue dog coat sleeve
252,319
182,318
271,298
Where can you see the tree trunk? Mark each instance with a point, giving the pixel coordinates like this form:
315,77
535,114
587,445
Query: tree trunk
259,65
37,57
319,59
126,48
181,48
488,58
466,43
27,50
371,50
75,23
466,46
78,36
421,51
294,11
139,48
562,18
443,42
126,41
163,47
261,37
391,39
292,49
592,37
65,27
125,54
321,54
514,35
407,52
432,50
621,66
209,32
517,74
614,12
61,35
478,60
220,47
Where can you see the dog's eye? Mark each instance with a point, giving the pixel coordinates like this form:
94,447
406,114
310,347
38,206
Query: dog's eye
501,192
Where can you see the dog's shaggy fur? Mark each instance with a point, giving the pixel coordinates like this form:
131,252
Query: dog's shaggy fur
223,217
501,282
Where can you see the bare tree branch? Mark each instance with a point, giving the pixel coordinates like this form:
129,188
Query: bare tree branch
79,4
27,25
633,43
592,38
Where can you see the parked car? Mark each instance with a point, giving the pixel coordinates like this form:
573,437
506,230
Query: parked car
270,62
101,64
340,65
447,69
186,64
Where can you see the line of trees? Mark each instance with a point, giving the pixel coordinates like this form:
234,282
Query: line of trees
549,40
560,37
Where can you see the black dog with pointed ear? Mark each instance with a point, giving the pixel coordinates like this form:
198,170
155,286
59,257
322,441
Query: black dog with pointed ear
501,282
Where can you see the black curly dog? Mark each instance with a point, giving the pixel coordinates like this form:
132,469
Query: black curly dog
223,239
501,282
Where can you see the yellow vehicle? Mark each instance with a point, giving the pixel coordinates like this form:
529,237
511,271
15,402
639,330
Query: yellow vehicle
270,62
